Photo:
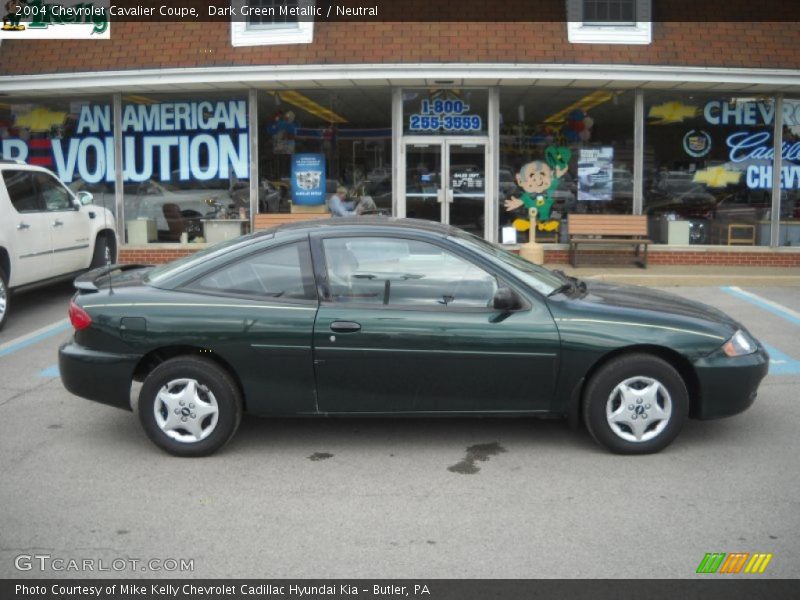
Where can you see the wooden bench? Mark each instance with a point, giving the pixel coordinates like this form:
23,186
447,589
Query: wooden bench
608,230
267,220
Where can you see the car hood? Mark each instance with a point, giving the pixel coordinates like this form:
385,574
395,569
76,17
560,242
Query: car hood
656,302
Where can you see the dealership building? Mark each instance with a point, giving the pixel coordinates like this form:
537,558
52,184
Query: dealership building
189,130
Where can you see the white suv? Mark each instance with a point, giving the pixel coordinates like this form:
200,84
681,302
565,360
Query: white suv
47,232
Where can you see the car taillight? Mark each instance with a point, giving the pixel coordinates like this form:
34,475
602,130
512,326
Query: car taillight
79,318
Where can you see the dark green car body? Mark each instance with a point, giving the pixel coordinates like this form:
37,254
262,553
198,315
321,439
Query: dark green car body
298,357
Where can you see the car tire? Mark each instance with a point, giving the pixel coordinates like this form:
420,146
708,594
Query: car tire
5,297
635,404
190,406
103,253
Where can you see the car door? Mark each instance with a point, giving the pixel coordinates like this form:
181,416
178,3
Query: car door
257,314
406,325
70,227
31,238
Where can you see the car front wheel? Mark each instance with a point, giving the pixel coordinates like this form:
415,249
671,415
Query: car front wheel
635,404
190,406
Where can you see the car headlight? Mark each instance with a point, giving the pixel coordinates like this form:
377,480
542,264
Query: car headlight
739,345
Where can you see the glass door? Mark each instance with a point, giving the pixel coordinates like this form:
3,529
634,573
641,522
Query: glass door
445,181
424,191
466,187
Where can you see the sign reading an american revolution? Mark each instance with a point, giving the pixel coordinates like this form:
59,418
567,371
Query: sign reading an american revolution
162,141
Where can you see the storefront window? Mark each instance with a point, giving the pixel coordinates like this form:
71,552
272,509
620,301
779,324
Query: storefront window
186,167
315,142
789,229
444,112
708,168
70,136
563,151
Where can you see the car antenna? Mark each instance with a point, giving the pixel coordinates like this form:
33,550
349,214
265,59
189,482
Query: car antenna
105,226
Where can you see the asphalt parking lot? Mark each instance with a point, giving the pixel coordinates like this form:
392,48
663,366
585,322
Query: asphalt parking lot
425,498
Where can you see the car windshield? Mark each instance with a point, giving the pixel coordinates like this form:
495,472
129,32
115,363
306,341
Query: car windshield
165,271
539,278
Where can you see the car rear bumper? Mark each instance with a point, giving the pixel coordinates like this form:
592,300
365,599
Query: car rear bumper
728,386
99,376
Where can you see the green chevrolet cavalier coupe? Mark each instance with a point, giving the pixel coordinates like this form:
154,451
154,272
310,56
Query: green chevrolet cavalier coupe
377,317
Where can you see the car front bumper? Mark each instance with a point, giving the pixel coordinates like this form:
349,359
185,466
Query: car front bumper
728,386
100,376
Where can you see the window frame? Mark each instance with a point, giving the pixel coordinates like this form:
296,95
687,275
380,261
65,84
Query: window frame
243,33
56,182
306,264
579,32
41,208
321,273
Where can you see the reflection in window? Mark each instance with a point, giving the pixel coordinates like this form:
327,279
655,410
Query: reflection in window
708,168
563,151
404,273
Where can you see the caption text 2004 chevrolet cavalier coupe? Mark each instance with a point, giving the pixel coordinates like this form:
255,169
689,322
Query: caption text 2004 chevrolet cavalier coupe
378,316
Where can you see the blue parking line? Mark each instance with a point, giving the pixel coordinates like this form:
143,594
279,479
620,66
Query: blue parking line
774,308
43,335
51,371
780,363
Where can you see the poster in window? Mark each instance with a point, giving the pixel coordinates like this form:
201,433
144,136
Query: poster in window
308,179
595,174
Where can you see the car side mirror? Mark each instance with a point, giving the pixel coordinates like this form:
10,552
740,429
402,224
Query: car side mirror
85,198
506,299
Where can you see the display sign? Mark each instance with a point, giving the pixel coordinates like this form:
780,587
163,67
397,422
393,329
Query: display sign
162,142
447,115
595,174
308,179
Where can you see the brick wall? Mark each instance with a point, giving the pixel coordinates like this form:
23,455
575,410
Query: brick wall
165,45
719,257
555,256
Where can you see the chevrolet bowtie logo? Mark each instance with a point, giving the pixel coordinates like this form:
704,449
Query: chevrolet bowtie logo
671,112
717,177
734,563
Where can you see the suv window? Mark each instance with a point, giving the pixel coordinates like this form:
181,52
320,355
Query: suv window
404,273
55,195
22,191
283,272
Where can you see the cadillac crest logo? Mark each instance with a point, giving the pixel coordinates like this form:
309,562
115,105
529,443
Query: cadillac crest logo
697,143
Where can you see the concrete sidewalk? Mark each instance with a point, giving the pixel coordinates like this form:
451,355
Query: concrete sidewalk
687,275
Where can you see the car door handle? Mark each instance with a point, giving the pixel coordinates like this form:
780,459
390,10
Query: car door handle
345,326
58,223
22,226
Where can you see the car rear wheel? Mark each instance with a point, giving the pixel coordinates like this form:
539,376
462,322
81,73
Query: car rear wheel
189,406
635,404
5,297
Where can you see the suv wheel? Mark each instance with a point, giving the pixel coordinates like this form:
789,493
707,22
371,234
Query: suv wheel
5,297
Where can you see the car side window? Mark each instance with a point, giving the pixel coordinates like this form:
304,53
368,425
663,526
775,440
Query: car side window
22,191
283,272
404,273
55,195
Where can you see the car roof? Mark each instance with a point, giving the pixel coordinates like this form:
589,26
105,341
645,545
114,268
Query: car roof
367,223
